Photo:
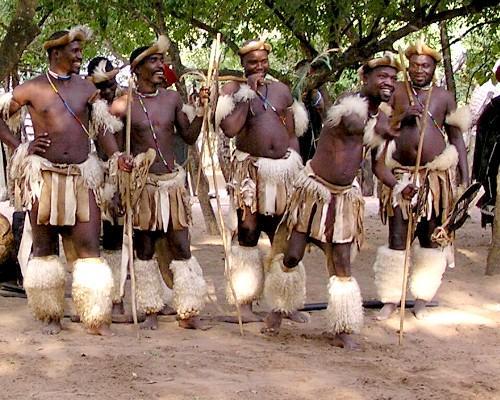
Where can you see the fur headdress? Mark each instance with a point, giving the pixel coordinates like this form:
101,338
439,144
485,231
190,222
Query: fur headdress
387,60
80,32
253,45
160,46
101,75
420,48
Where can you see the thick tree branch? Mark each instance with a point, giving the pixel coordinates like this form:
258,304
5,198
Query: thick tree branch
309,51
21,32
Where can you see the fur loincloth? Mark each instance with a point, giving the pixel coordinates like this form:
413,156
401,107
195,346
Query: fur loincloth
438,176
163,199
62,190
263,184
328,213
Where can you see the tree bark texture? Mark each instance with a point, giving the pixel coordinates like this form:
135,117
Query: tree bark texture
448,66
21,31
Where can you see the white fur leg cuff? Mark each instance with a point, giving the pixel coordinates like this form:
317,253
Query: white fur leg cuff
428,268
285,292
246,273
149,291
114,259
44,284
190,289
92,286
388,268
345,305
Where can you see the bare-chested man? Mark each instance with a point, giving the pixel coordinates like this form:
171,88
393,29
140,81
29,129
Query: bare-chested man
60,184
437,175
327,209
264,119
162,206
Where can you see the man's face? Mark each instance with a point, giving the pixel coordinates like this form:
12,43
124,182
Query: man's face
379,83
69,58
421,69
151,69
255,62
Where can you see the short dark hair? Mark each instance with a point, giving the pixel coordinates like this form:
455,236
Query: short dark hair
136,52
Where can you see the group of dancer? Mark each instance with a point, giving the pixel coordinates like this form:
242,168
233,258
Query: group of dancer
68,190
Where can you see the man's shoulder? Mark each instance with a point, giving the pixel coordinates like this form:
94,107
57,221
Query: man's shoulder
279,86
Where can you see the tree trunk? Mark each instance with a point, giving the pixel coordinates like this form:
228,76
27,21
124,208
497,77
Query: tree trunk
21,31
494,254
448,66
224,154
202,192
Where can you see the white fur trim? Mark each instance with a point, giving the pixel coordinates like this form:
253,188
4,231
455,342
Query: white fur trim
285,291
167,293
279,170
345,305
102,121
403,182
388,268
446,160
372,139
225,106
346,106
149,292
92,172
15,121
44,284
190,112
246,273
190,289
428,268
300,118
81,31
114,259
92,287
244,93
460,118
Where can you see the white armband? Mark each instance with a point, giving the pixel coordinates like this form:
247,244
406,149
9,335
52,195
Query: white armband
300,118
226,103
460,118
102,120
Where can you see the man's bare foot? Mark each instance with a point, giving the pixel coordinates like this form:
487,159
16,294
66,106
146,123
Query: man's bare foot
247,315
344,341
193,323
118,308
75,318
386,311
167,310
102,330
298,316
52,327
419,309
151,322
273,323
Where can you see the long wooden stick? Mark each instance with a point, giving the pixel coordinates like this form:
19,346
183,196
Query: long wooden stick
409,231
128,218
212,78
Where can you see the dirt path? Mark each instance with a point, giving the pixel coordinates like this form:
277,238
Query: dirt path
452,355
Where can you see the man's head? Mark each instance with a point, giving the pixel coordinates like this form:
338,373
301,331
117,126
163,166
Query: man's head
378,76
147,61
422,63
254,57
64,48
102,73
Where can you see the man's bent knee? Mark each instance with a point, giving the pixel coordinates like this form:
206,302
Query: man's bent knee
248,237
291,260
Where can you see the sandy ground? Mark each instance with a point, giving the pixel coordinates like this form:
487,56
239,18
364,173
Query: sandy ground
452,355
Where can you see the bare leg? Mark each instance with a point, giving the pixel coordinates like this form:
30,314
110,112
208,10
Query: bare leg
386,311
247,315
102,330
151,322
273,323
419,309
52,327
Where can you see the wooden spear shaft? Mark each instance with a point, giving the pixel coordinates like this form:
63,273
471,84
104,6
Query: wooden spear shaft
209,129
128,219
409,231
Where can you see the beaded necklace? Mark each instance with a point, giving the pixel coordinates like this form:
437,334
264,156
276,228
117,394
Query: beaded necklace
140,96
